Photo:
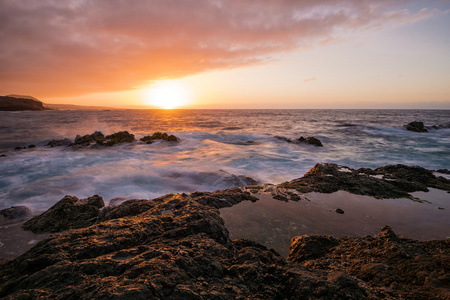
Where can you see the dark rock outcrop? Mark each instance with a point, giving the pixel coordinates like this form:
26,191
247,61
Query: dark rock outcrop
14,214
98,139
8,103
175,247
301,140
394,181
391,266
59,142
70,212
416,127
148,139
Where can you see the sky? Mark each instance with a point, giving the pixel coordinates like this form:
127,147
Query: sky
228,54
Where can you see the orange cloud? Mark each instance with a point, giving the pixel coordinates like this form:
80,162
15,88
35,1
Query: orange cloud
63,48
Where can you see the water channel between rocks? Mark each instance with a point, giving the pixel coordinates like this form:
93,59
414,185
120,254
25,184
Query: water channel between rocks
274,223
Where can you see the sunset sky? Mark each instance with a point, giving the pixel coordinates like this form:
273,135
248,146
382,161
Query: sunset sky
228,54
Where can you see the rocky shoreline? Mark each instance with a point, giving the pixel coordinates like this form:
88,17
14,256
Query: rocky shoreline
177,247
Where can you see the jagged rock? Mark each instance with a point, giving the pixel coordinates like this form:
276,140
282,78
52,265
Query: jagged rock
301,140
307,247
70,212
416,127
60,142
394,181
118,138
159,136
397,267
175,247
15,214
98,139
86,140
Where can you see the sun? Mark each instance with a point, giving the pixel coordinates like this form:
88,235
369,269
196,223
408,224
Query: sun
166,94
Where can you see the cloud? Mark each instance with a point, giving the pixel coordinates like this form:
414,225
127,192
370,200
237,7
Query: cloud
309,79
63,48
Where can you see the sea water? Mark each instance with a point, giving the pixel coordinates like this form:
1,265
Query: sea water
214,145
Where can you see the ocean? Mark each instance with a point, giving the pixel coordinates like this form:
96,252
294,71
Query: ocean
216,146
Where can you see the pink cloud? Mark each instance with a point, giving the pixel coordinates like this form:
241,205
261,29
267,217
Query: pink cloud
56,48
309,79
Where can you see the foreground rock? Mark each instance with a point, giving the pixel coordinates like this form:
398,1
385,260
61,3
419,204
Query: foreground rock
148,139
416,127
18,103
70,212
394,181
177,247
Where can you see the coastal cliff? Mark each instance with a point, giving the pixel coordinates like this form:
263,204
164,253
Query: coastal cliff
19,103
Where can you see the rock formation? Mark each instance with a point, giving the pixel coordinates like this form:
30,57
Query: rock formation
16,103
177,247
159,136
301,140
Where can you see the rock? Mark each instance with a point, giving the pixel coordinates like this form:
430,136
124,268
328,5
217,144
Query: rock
15,214
307,247
301,140
31,146
118,138
416,127
177,247
70,212
86,140
159,136
394,181
59,143
98,139
18,148
19,103
339,211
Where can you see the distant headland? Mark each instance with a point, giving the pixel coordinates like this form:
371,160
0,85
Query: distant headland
19,103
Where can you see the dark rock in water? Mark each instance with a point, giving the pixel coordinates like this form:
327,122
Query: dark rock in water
301,140
18,103
15,214
31,146
174,247
97,138
70,212
59,143
88,139
310,140
159,136
18,148
3,155
416,127
339,211
443,171
118,138
223,198
395,181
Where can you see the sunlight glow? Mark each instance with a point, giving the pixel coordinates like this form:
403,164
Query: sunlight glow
166,94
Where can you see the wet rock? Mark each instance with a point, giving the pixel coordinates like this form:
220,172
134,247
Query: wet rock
31,146
86,140
309,140
98,139
68,213
416,127
339,211
394,181
59,142
15,214
148,139
177,247
119,138
18,148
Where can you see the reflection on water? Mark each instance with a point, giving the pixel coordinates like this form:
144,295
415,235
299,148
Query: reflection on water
273,223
